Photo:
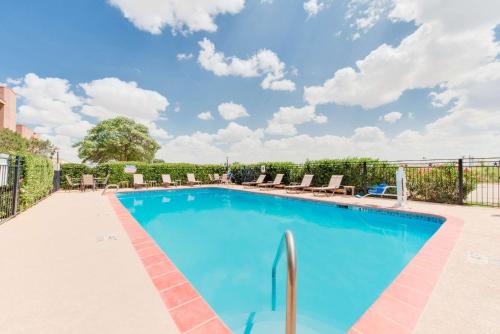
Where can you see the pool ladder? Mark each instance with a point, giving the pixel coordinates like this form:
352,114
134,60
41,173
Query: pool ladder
291,286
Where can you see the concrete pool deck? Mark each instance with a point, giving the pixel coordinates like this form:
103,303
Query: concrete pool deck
67,266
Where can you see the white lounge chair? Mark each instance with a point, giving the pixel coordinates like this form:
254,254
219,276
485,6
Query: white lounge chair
191,180
139,181
298,188
333,185
166,180
272,184
255,183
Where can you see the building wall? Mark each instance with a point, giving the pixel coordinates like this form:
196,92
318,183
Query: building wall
7,110
24,131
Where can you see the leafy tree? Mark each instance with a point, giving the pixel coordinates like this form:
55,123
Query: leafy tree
41,147
119,139
12,142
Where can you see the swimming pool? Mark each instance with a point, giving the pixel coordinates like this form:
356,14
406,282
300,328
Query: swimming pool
224,241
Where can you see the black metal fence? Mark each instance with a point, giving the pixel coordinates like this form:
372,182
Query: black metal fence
10,173
456,181
16,173
482,176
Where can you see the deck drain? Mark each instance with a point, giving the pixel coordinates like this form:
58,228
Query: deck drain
109,237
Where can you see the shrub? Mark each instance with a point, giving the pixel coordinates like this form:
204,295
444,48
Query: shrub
151,171
36,179
439,184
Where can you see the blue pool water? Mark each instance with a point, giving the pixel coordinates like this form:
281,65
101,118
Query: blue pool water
225,241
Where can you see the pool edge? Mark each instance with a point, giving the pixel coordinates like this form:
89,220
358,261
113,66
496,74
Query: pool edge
188,309
401,304
399,307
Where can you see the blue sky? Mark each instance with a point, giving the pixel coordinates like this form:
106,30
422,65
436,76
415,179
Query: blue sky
405,91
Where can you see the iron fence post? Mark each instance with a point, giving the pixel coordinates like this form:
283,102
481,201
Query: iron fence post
460,181
15,188
365,177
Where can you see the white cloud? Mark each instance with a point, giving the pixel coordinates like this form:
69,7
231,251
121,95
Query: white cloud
454,54
231,111
313,7
285,120
197,148
364,14
434,54
206,116
240,143
112,97
264,63
13,81
53,109
47,101
180,15
392,117
184,56
234,133
177,107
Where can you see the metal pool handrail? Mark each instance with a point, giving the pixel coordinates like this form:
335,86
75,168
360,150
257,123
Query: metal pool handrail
291,286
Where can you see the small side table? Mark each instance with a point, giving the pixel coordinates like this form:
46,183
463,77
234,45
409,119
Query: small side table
351,189
152,183
178,183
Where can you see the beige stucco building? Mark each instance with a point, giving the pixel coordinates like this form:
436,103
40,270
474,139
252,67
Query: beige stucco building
8,114
7,108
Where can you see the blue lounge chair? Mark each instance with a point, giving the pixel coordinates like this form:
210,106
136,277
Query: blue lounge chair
378,190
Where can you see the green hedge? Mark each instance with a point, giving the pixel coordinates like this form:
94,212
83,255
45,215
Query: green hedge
437,184
351,168
151,171
36,180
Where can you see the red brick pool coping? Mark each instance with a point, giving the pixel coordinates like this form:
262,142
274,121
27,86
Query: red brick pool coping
396,311
190,312
399,307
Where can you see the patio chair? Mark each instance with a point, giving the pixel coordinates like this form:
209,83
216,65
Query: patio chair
103,183
332,186
139,181
255,183
379,190
298,188
192,180
272,184
72,185
88,181
217,178
166,180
